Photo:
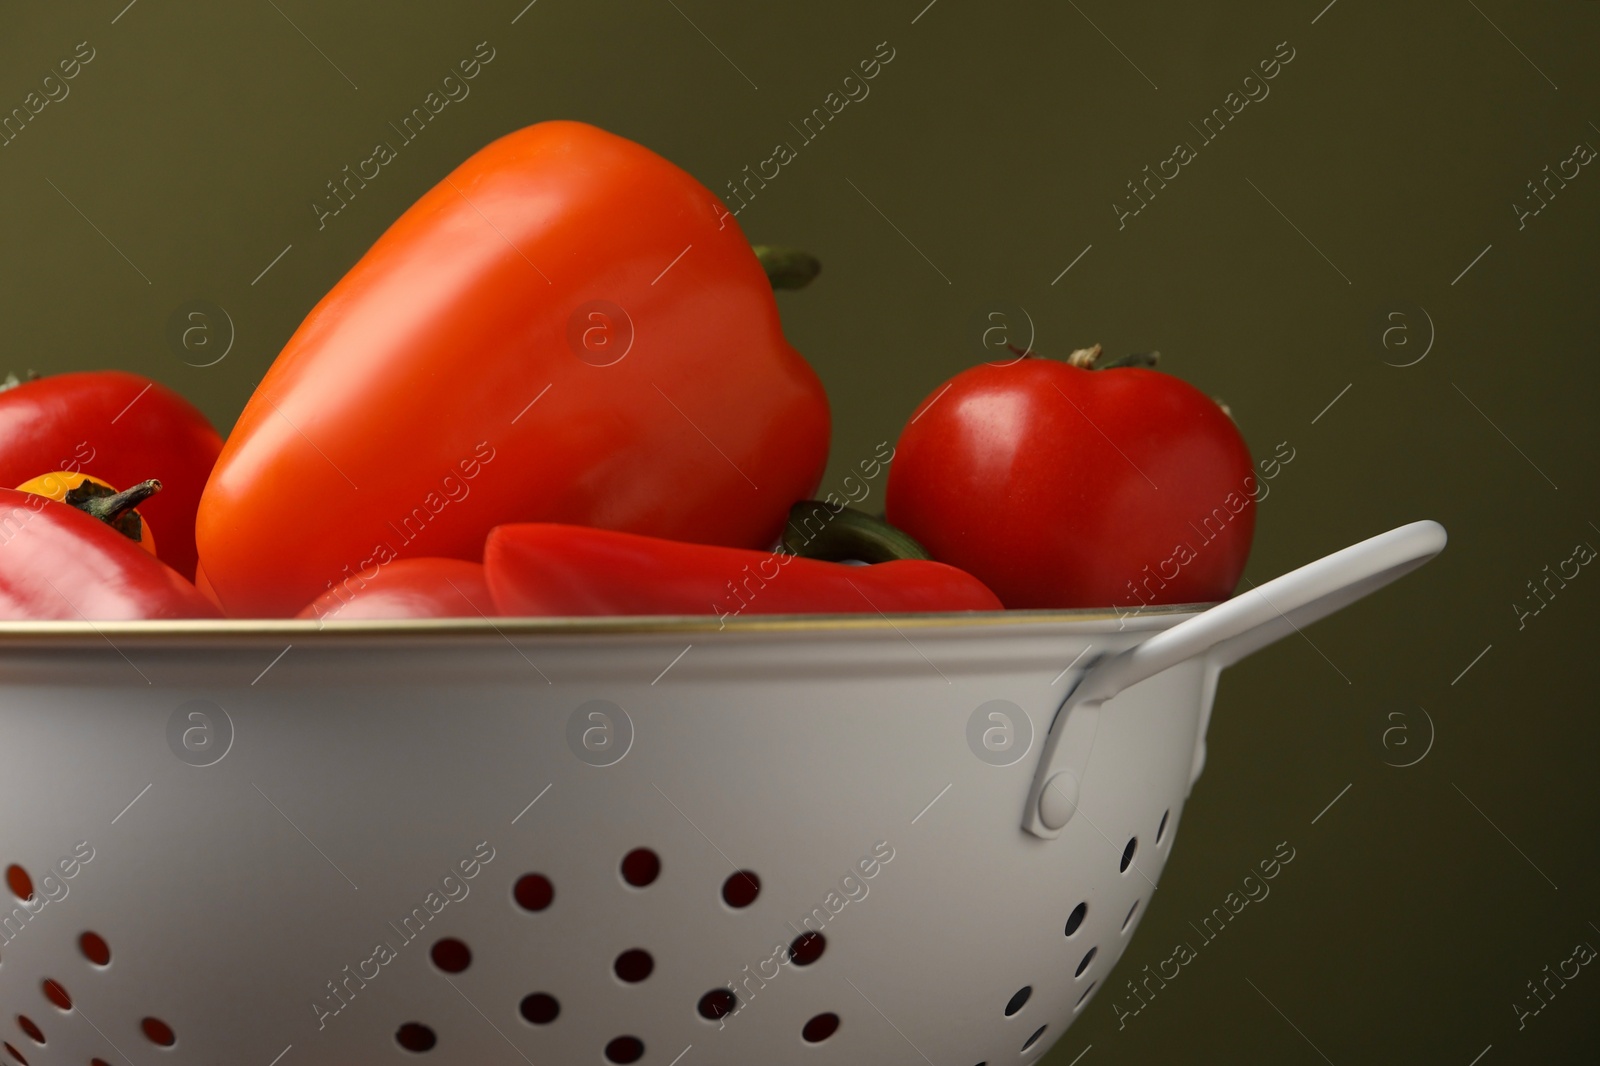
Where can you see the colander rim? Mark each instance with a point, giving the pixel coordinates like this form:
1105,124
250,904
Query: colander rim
14,633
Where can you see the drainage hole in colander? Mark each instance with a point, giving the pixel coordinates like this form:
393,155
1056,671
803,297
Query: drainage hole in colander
1127,853
414,1036
741,889
1131,912
718,1003
533,892
807,948
820,1028
1087,959
1092,986
1161,830
56,994
95,949
35,1034
540,1008
1034,1039
625,1049
19,882
640,867
16,1055
451,955
1075,919
633,966
158,1032
1016,1002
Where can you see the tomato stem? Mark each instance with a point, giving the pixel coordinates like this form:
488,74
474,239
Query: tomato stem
1144,359
1085,358
787,268
12,381
1093,358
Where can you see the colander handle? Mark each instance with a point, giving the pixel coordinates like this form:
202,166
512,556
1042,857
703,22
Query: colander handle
1226,633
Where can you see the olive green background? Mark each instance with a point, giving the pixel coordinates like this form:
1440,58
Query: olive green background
986,161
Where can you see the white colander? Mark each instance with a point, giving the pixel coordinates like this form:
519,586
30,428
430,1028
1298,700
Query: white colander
562,842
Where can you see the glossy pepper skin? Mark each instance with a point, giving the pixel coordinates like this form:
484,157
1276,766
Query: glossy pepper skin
57,563
120,427
1066,487
539,569
201,583
409,588
568,328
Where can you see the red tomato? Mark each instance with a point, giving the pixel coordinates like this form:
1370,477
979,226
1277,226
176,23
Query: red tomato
1063,487
119,427
568,328
408,588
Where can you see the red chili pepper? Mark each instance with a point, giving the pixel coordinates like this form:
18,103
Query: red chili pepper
408,588
56,562
544,569
568,328
119,427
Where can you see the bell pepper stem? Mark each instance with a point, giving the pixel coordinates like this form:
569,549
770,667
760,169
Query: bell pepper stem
817,530
110,508
787,268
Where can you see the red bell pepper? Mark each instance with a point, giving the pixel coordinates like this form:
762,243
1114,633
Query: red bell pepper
545,569
122,428
56,562
568,328
204,585
408,588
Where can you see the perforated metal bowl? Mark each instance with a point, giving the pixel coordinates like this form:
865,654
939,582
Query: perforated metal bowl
818,840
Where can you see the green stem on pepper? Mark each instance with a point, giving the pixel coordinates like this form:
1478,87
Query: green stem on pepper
845,534
115,509
787,268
